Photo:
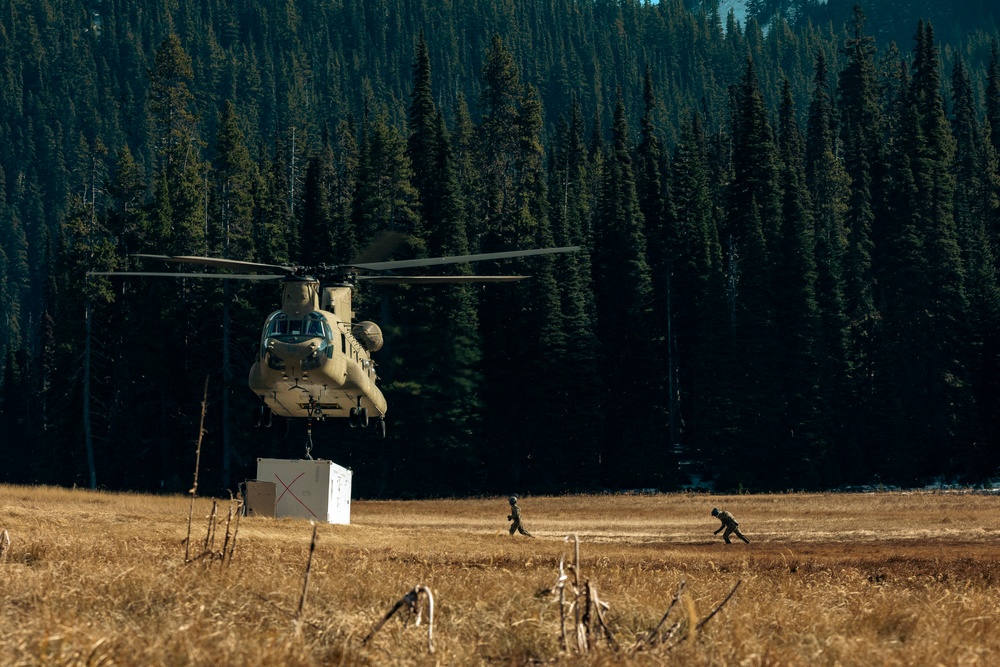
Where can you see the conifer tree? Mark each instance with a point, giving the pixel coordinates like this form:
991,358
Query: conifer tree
180,186
444,414
923,280
179,217
699,306
422,126
538,300
318,244
797,312
273,232
860,128
579,413
652,186
992,131
346,161
993,95
236,182
497,143
385,199
753,221
623,291
828,185
976,205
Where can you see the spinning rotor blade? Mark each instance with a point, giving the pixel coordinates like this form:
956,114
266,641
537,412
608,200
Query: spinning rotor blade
430,280
218,263
458,259
380,248
165,274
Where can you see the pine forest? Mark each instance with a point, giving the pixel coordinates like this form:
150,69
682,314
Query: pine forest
789,275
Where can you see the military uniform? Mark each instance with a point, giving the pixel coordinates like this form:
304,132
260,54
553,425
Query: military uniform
730,524
515,516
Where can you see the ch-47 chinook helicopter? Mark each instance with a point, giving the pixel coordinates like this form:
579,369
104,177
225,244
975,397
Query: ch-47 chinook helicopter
314,360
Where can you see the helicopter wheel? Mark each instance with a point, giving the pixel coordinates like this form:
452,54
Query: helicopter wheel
363,417
380,427
352,418
262,417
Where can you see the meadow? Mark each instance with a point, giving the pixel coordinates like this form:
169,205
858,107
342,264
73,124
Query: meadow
890,578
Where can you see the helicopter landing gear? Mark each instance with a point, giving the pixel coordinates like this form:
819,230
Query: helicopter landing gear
358,416
263,416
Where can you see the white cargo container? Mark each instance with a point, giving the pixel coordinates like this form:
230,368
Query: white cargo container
312,489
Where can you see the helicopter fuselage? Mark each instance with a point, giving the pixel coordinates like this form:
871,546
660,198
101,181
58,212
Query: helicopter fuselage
311,363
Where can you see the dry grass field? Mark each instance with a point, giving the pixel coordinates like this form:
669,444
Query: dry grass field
92,578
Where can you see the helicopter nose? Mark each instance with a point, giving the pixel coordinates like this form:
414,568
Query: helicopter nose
292,351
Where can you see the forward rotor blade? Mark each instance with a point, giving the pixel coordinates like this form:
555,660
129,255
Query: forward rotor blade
432,280
383,246
165,274
459,259
219,263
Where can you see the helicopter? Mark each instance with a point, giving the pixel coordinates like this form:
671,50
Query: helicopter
314,361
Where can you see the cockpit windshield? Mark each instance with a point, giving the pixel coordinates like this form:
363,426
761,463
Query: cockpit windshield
279,325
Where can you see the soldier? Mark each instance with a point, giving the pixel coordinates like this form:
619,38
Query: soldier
515,516
730,524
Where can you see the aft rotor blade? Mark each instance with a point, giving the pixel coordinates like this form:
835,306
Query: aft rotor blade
220,263
165,274
432,280
459,259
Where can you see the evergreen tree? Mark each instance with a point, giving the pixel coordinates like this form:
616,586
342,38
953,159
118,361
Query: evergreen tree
446,408
623,295
652,179
797,312
993,95
233,205
992,131
579,412
318,243
497,142
423,127
860,132
923,281
976,203
753,231
179,224
828,185
699,306
180,186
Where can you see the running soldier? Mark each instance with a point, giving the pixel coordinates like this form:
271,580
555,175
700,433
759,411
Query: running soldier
515,516
730,524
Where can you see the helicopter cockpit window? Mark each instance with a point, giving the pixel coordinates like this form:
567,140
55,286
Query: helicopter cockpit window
313,325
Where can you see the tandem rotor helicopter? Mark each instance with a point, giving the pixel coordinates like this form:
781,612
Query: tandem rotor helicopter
314,360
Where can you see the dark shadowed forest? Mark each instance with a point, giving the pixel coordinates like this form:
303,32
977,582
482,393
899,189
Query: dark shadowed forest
789,231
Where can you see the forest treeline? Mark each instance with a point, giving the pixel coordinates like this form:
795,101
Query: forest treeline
789,233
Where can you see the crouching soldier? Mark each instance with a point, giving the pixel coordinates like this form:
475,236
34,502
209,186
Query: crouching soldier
515,516
730,524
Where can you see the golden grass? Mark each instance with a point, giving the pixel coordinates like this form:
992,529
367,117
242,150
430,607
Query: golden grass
94,578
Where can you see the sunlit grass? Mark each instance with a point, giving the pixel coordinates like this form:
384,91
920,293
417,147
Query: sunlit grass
829,579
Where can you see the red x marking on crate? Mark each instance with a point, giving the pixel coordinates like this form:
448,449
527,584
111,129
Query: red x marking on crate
288,490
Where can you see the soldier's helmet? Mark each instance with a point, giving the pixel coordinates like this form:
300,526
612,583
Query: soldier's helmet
512,500
715,511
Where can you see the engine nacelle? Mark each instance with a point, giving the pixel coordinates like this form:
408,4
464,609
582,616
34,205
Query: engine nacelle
369,335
